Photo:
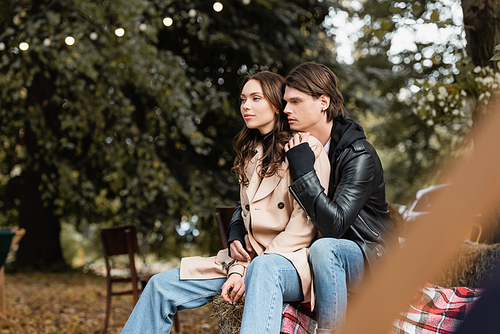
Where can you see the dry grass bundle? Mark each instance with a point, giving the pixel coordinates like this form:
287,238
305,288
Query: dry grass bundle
471,265
229,315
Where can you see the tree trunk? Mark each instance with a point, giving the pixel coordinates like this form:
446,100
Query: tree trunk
40,248
482,29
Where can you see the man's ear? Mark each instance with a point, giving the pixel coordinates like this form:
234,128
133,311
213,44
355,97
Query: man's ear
325,101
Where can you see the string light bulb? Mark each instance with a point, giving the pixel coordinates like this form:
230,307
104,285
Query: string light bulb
93,36
2,46
218,6
120,32
24,46
167,22
69,40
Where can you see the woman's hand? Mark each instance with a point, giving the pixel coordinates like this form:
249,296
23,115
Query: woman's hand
234,289
238,252
300,138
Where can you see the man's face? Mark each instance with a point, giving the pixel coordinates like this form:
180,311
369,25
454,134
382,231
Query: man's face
303,110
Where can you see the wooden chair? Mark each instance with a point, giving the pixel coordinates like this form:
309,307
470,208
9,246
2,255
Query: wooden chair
223,214
123,241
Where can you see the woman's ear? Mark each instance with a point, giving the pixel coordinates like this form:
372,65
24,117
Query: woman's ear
325,101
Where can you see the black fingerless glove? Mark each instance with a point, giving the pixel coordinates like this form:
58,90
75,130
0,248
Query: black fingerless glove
237,229
300,160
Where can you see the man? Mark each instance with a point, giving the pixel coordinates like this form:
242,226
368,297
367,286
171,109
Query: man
353,217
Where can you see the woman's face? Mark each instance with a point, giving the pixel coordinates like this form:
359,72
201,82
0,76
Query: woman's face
257,112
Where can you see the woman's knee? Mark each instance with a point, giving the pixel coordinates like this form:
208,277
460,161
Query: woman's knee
161,280
264,262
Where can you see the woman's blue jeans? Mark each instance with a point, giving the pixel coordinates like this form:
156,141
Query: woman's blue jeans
164,295
338,266
270,279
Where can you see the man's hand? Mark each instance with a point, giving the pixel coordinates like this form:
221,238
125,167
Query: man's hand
238,252
298,139
234,289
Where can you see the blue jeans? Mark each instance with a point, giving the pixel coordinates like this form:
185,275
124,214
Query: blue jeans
164,295
270,279
338,266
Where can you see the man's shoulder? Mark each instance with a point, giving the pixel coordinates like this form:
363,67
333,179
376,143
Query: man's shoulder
360,147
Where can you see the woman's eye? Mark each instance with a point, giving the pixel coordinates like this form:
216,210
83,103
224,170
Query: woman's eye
256,98
243,101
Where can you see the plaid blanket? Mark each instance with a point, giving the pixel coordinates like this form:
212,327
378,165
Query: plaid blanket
436,310
297,319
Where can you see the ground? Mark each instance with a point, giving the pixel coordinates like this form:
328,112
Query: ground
75,303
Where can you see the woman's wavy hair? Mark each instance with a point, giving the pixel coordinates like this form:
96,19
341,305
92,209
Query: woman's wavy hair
248,139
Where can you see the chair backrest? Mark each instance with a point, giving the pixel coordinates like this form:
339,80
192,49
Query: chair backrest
223,214
118,240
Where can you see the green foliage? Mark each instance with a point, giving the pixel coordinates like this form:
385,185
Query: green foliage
411,147
496,57
137,129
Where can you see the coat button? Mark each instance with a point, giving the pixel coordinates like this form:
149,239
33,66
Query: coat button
247,207
281,205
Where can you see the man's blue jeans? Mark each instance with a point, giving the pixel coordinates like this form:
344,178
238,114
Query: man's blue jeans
338,266
270,279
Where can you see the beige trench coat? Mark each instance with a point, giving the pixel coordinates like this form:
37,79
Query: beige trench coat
275,221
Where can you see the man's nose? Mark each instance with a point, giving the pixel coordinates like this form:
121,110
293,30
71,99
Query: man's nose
287,110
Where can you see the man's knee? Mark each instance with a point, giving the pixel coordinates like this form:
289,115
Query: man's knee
323,251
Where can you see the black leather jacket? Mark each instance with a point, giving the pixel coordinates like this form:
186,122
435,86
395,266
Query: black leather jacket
355,207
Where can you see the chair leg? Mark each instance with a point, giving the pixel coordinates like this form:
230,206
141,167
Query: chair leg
108,310
176,323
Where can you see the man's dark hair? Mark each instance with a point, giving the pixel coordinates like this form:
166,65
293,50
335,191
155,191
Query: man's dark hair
316,80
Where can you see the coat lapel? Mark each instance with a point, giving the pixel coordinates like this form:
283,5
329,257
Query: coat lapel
251,172
268,184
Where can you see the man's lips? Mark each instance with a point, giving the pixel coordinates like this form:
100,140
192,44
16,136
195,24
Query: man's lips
291,120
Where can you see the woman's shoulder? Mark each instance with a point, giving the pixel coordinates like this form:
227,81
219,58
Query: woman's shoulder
313,142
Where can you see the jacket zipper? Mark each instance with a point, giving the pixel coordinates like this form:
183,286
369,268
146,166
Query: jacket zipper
368,227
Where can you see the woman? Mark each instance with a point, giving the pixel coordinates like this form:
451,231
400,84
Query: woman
279,230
